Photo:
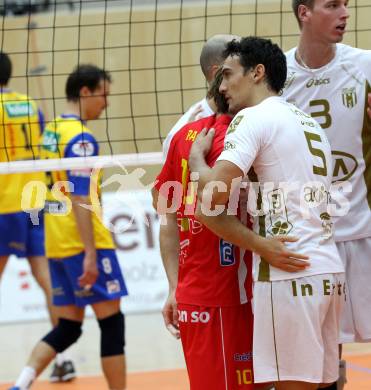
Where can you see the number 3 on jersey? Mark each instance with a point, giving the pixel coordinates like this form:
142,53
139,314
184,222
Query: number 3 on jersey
324,112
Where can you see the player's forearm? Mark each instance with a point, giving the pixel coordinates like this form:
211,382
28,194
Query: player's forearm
169,247
84,222
232,230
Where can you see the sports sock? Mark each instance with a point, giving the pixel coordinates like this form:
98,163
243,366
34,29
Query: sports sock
26,377
61,358
342,375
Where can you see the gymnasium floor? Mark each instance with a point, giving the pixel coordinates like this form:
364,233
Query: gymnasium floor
155,360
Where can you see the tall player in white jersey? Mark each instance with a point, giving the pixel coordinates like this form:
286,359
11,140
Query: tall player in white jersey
296,316
331,81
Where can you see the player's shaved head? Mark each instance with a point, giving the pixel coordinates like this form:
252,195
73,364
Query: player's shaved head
212,53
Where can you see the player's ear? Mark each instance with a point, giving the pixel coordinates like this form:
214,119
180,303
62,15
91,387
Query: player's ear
258,72
304,13
85,91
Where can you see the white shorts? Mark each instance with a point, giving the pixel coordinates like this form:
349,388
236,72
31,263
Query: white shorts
355,323
296,329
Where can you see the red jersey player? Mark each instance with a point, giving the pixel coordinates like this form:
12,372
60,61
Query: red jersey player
214,312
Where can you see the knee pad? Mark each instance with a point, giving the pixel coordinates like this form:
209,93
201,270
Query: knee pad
63,335
112,340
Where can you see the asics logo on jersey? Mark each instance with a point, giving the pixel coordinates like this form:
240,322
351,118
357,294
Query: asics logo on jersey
229,145
19,109
317,82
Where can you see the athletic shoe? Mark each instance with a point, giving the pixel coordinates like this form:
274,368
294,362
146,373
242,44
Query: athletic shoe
64,373
14,388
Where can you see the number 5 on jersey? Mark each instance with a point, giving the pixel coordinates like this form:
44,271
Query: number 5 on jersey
316,152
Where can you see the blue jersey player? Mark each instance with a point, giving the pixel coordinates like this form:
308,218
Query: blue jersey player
83,264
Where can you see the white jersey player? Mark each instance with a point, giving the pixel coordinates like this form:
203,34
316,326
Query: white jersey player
294,182
336,96
285,148
296,316
331,81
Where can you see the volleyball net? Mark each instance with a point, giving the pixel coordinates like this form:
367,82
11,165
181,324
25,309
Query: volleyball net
151,49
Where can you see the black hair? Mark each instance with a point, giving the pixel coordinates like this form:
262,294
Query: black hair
219,98
253,51
5,68
84,76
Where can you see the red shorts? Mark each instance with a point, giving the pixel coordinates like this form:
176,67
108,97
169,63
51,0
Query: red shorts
217,345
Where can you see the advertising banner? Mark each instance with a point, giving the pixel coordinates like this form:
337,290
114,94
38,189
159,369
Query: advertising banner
135,228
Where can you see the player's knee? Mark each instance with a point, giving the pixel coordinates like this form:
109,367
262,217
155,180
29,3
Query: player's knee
63,335
112,335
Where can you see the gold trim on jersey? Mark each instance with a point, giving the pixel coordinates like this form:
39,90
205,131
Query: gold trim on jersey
366,146
264,270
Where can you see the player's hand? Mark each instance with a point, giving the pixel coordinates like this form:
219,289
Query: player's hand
194,114
90,271
170,315
369,105
203,142
275,252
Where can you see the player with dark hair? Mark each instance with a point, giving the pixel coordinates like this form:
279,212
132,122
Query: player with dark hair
210,277
82,260
22,223
84,76
296,316
215,319
331,81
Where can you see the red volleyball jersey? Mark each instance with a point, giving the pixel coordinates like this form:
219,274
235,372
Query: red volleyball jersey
211,272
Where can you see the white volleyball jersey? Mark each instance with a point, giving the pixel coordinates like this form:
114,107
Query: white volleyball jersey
291,158
184,119
336,96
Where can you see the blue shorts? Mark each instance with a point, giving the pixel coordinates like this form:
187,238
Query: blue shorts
66,271
19,236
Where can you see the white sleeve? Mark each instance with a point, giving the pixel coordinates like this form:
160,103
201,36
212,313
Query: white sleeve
183,120
243,142
361,58
364,61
